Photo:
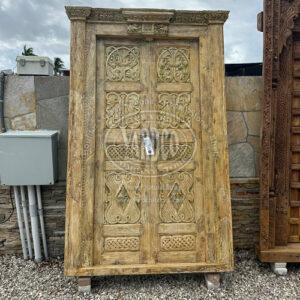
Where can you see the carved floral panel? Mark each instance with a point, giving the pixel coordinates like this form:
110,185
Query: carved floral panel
176,197
174,110
173,65
122,63
122,110
122,198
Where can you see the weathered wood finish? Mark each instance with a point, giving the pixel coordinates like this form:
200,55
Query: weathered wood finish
159,72
279,208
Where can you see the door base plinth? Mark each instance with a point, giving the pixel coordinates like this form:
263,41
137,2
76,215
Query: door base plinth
84,284
212,280
279,268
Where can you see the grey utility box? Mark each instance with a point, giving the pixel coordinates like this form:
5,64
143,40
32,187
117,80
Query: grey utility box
34,65
28,157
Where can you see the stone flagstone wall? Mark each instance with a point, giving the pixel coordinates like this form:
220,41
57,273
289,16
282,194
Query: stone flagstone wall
33,102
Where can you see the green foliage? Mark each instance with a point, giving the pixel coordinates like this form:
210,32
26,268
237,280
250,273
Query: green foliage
27,51
58,65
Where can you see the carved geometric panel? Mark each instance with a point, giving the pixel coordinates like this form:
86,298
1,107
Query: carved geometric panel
122,63
122,244
177,243
176,152
123,110
174,110
122,152
122,198
176,197
173,65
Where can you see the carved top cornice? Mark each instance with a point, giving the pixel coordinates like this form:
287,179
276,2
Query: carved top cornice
78,12
144,16
161,16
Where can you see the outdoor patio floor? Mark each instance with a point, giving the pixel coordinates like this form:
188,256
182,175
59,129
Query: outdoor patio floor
251,279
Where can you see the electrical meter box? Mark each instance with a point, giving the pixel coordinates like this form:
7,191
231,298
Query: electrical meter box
28,157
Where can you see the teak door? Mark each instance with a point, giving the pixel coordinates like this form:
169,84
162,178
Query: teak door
280,161
154,186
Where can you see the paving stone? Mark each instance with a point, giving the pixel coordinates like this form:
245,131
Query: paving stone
255,142
236,128
19,96
25,122
253,121
241,160
244,93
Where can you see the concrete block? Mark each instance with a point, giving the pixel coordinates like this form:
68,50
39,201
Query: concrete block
84,284
241,160
51,87
53,114
62,164
212,280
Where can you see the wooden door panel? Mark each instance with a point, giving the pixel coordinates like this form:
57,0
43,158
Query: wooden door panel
176,94
121,208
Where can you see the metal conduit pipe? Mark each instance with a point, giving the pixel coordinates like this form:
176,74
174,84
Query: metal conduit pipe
2,124
20,222
34,223
40,210
26,221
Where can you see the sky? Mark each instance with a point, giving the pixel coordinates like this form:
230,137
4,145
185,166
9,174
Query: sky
43,25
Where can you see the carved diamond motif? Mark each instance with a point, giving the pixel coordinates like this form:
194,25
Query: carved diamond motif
122,197
176,196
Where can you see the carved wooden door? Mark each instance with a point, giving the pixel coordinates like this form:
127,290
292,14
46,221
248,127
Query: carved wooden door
149,208
148,184
147,200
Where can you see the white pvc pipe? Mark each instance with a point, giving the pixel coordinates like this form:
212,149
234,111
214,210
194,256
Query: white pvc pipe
34,223
40,210
26,221
20,222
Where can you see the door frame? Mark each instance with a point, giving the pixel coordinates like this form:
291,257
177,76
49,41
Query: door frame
87,25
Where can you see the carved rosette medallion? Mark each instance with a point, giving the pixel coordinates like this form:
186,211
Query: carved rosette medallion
173,65
122,63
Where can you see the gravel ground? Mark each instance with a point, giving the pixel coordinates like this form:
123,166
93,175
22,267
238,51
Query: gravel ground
21,279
